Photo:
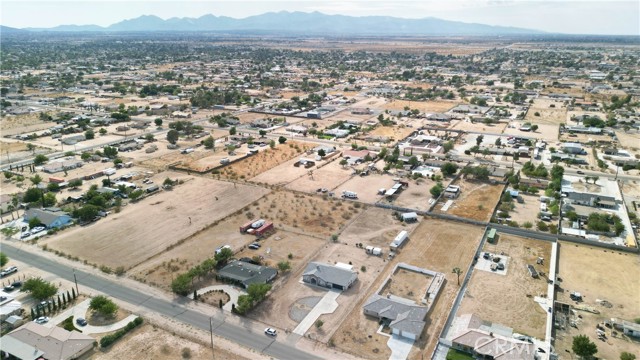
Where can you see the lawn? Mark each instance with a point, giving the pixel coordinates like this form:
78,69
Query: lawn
454,354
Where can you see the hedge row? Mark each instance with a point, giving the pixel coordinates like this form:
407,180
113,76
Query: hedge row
110,339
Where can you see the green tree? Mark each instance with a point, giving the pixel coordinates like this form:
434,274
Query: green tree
319,323
75,183
32,195
208,143
282,140
36,180
449,169
54,187
498,142
172,136
8,175
232,131
627,356
110,152
223,255
284,266
262,133
40,159
479,139
136,194
49,199
448,146
436,190
4,259
88,212
458,272
39,288
89,134
181,285
584,347
158,122
103,306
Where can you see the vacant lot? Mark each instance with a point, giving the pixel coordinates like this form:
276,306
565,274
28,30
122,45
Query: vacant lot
282,174
376,227
509,299
611,276
150,342
437,106
477,126
416,196
476,201
555,115
435,245
547,132
366,186
263,161
407,284
330,176
395,133
23,124
527,211
147,228
629,140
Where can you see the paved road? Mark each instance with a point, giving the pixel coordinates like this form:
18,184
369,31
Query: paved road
241,335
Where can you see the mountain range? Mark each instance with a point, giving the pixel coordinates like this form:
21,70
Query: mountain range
303,23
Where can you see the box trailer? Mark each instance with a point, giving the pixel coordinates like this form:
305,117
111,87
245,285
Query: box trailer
268,226
399,240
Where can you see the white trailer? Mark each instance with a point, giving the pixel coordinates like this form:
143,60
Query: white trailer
399,240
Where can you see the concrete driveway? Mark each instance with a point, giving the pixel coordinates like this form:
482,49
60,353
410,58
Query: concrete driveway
80,311
400,347
326,305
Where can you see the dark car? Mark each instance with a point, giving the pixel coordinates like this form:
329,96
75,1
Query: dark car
9,288
580,172
16,284
81,321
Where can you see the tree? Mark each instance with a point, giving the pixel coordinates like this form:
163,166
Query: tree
282,140
479,139
436,190
208,143
319,323
8,175
595,179
103,305
458,272
136,194
103,131
40,159
110,152
232,131
54,187
32,195
322,153
88,212
258,291
284,266
172,136
272,144
498,142
584,347
4,259
35,180
448,146
449,169
33,222
181,285
262,133
75,183
627,356
223,255
39,288
89,134
534,128
158,122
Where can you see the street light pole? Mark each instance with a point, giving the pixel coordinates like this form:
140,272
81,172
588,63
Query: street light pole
76,281
211,332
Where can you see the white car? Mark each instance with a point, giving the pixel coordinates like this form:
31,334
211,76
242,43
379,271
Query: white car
42,320
270,331
38,229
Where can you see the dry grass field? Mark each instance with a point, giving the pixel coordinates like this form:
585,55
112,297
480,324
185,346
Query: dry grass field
611,276
476,201
147,228
329,176
393,133
629,140
508,299
282,174
477,126
23,124
435,106
548,115
416,196
435,245
407,284
264,160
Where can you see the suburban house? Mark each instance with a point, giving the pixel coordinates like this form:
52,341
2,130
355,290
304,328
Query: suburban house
58,166
355,156
245,274
438,117
591,199
299,129
49,218
339,276
573,148
34,341
339,133
403,316
9,306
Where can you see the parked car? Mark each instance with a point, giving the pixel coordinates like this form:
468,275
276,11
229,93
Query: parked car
16,284
9,288
42,320
8,271
81,321
254,246
25,235
38,229
580,172
270,331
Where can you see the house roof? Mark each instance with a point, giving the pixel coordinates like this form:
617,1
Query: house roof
46,217
247,273
497,346
331,274
53,343
404,313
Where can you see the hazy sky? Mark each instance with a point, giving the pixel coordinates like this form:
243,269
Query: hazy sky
565,16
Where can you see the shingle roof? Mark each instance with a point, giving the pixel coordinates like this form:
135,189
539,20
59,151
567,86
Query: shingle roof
405,314
247,273
331,274
54,342
45,217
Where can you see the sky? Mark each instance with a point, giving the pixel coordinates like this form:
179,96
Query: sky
606,17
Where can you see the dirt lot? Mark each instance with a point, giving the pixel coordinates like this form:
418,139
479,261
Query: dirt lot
548,115
23,124
424,106
505,299
430,246
476,201
366,186
282,174
527,211
416,196
376,227
147,228
394,133
266,159
407,284
330,177
150,342
477,126
547,132
612,276
629,140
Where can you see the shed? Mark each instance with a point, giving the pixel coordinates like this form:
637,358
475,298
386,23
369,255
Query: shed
491,236
409,217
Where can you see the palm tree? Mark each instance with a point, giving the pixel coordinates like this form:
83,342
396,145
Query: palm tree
457,271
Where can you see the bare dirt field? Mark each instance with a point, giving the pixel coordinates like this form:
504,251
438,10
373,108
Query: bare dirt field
437,106
407,284
629,140
366,186
416,196
394,133
547,132
547,115
508,299
376,227
150,342
282,174
12,147
435,245
612,276
266,159
144,229
477,126
526,211
23,124
476,201
329,176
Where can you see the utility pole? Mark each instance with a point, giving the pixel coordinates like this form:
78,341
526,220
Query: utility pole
76,281
211,332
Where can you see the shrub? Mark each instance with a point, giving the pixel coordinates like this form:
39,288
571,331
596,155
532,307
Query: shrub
110,339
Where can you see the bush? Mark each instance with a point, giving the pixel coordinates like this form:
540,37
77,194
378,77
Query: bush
110,339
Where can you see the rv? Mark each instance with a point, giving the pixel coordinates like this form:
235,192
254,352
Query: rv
349,195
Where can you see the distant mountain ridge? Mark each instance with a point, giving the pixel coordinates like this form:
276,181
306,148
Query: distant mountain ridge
314,23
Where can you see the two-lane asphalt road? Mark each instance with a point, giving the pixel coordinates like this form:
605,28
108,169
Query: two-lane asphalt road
174,309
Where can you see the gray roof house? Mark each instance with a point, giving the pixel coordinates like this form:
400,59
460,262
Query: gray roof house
34,341
329,276
404,317
49,218
245,273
